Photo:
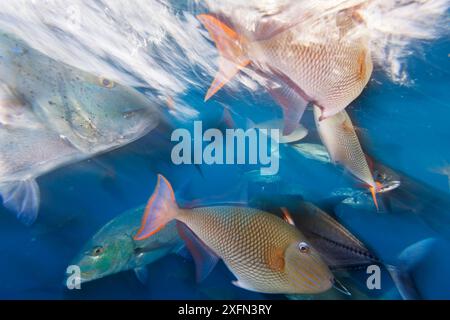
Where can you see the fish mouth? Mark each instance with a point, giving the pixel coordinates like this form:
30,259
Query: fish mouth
388,186
86,276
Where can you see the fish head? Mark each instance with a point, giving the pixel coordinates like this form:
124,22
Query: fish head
103,256
102,114
306,270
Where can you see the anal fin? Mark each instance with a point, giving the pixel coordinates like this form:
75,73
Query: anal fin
22,197
205,259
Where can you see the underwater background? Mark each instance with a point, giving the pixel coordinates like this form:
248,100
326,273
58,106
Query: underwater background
406,128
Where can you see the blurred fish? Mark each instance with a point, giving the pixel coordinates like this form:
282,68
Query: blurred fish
313,151
338,247
112,249
298,134
445,171
52,114
265,253
341,250
387,180
329,69
339,137
429,203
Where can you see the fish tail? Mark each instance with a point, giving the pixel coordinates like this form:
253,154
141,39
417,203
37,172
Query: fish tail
231,47
403,268
161,208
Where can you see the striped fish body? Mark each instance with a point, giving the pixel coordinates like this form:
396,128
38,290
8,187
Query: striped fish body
330,70
260,249
339,137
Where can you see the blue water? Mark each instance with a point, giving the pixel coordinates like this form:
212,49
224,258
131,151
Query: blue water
405,128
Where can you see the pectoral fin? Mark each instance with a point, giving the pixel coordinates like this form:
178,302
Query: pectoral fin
23,198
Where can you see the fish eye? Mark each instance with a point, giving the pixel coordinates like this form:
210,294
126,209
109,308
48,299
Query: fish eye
107,83
97,251
303,247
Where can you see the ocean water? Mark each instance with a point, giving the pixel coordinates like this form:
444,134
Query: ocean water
404,127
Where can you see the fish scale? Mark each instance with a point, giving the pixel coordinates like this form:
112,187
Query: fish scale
249,260
339,136
265,253
313,67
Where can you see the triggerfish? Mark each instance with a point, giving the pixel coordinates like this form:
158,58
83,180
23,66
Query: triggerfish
265,253
328,65
112,249
342,251
339,137
52,114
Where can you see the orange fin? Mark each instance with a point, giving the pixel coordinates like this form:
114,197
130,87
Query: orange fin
373,191
287,216
160,209
230,46
205,259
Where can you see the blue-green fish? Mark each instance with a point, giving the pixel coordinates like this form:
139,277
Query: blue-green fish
112,249
52,114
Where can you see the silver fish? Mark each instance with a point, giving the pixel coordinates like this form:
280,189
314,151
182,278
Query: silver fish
52,114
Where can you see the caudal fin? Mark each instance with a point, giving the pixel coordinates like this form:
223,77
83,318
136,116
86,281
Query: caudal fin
407,261
23,198
160,209
230,46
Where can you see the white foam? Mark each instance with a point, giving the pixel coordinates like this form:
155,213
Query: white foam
155,43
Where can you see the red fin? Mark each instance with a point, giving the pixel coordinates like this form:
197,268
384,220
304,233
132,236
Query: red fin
287,216
160,209
373,191
230,46
205,259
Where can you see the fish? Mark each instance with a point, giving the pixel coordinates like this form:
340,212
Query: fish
112,249
53,114
263,252
339,248
326,68
298,134
340,139
444,170
343,251
295,136
313,151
